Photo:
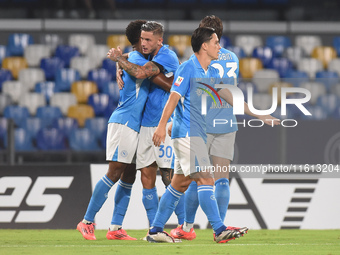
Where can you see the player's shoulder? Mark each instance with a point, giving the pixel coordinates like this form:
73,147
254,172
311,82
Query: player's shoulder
166,52
186,66
227,55
135,55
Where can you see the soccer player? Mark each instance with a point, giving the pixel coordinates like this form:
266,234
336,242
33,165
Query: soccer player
149,157
122,138
220,141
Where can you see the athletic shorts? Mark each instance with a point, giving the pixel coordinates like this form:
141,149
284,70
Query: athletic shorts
147,152
221,145
121,143
191,156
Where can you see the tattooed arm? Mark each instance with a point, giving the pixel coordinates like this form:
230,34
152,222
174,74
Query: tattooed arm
140,72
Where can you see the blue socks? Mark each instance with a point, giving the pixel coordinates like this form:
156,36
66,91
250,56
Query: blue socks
166,207
222,195
122,199
98,198
209,206
150,202
191,202
179,210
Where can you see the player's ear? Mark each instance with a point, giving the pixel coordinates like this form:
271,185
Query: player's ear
204,46
160,40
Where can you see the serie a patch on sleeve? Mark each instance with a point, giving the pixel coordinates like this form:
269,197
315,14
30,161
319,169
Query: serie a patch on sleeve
179,80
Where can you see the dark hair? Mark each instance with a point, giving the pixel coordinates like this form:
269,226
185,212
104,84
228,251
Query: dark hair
133,30
200,36
214,22
153,26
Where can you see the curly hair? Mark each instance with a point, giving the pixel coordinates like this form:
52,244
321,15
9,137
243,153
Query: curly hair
214,22
133,31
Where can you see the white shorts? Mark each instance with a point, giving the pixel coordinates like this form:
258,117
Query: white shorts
147,152
191,155
121,143
221,145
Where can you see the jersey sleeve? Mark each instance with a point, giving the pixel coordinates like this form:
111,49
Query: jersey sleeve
137,59
169,62
181,83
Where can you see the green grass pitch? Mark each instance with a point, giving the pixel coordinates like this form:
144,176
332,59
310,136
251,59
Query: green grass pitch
255,242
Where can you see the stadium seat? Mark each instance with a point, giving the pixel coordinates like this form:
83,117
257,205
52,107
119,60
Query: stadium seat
110,67
186,55
278,44
82,41
112,90
23,140
308,42
334,65
46,88
3,132
110,108
66,125
63,100
100,76
32,125
51,40
336,45
17,113
318,113
82,139
335,89
243,85
30,76
282,65
83,65
99,103
48,114
180,42
66,53
296,77
264,78
50,66
83,89
239,52
248,66
4,53
18,42
96,126
80,113
129,48
310,66
225,41
14,89
328,78
97,53
103,139
324,54
65,77
32,101
262,101
329,103
279,85
248,43
5,75
315,88
51,139
265,54
5,100
14,64
113,41
294,54
35,53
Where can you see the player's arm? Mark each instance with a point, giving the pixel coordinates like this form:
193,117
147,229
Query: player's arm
140,72
268,119
160,132
162,81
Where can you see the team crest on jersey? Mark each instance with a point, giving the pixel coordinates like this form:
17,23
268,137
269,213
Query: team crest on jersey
179,81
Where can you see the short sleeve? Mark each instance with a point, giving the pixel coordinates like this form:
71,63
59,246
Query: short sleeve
181,83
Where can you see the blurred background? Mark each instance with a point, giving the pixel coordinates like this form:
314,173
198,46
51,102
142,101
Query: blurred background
57,90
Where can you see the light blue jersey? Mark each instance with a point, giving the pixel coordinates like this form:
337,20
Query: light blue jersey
228,68
132,97
190,82
157,96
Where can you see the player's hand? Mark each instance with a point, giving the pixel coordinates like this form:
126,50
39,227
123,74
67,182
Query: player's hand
169,129
270,120
119,73
159,136
114,54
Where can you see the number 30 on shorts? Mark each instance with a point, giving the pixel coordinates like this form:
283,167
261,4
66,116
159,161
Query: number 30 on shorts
167,151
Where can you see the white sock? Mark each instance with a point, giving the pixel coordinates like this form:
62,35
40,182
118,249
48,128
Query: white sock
115,227
187,226
86,221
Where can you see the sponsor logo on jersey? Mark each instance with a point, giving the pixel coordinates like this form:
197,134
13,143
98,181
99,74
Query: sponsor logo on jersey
179,81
